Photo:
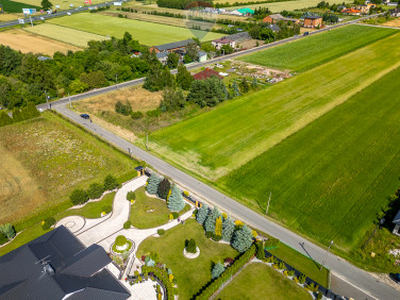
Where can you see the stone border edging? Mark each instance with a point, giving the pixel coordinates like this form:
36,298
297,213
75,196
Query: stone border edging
191,255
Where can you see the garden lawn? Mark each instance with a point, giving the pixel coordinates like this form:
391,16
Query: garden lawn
142,219
259,281
191,274
302,263
91,210
317,49
70,36
146,33
330,179
215,143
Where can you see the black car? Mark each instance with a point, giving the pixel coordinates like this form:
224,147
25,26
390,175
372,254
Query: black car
85,116
306,33
396,277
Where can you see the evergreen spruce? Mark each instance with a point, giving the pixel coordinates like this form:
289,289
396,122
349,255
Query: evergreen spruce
228,228
17,115
152,184
217,270
202,214
175,200
30,111
163,188
209,225
242,239
5,119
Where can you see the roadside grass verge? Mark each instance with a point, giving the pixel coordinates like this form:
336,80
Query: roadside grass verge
316,50
214,144
191,274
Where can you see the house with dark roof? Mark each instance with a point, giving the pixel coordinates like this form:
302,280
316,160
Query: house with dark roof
171,46
274,18
57,266
273,27
207,73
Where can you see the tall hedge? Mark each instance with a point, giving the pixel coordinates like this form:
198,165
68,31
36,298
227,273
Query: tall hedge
17,115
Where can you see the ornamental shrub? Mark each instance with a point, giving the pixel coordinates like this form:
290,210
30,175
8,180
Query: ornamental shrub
130,196
8,230
191,246
127,225
217,270
209,224
95,190
175,200
47,223
202,214
152,184
218,227
30,111
302,278
260,250
216,238
136,115
3,238
209,234
107,209
120,240
242,239
161,232
163,188
110,183
5,119
175,215
78,196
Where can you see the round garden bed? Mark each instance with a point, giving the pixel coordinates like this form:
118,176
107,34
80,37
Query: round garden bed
122,244
191,255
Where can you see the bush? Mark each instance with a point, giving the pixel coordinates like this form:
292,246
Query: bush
175,215
191,246
3,238
161,232
47,223
260,250
154,113
110,183
130,196
127,225
107,209
302,278
95,191
136,115
79,196
8,230
163,188
186,193
123,109
319,296
120,240
217,238
209,234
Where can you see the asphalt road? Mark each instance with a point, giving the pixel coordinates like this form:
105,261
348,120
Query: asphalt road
346,271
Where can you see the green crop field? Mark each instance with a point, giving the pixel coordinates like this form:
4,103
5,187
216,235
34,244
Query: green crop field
16,7
146,33
215,143
63,3
286,5
318,49
330,179
66,35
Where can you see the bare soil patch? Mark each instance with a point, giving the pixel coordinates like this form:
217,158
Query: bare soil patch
28,42
393,23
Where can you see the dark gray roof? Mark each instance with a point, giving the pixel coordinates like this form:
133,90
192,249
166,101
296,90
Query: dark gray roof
55,265
241,36
273,27
162,54
396,219
170,46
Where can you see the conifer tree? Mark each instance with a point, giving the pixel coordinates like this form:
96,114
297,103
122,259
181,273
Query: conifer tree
217,270
228,228
175,200
8,230
218,226
242,239
202,214
5,119
163,189
152,184
30,111
17,115
209,225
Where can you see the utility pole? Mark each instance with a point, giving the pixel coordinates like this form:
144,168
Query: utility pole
147,141
116,80
326,256
270,193
69,99
31,20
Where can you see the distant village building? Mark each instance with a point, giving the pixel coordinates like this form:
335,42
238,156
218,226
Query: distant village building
395,12
278,17
162,57
232,40
218,43
312,21
171,46
243,12
273,27
351,11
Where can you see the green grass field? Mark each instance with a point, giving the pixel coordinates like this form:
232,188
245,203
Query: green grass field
66,35
17,6
191,274
146,33
330,179
214,144
140,216
315,50
63,3
285,5
259,281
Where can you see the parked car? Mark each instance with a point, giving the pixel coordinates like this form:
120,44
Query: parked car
306,33
396,277
85,116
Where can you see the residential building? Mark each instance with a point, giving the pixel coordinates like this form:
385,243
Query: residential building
351,11
246,12
223,41
57,265
364,9
207,73
273,27
162,57
274,18
202,56
312,21
171,46
394,12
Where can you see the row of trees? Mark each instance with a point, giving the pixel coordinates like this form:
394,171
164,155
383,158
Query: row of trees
24,77
95,190
184,4
164,190
218,227
7,232
27,112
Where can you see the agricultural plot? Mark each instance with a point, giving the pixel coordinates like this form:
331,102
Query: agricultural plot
44,159
330,179
318,49
17,6
286,5
74,37
145,32
214,144
63,4
28,42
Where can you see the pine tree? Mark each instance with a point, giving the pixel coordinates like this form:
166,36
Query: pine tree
30,111
163,188
218,226
202,214
152,184
242,239
209,225
5,119
183,78
217,270
175,200
17,115
228,228
235,87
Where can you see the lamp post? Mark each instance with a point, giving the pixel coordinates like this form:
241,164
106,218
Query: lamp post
326,255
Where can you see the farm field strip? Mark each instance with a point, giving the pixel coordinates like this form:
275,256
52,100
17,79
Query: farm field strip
63,4
25,42
330,179
315,50
145,32
74,37
214,144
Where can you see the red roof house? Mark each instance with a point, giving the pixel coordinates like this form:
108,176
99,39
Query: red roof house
207,73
